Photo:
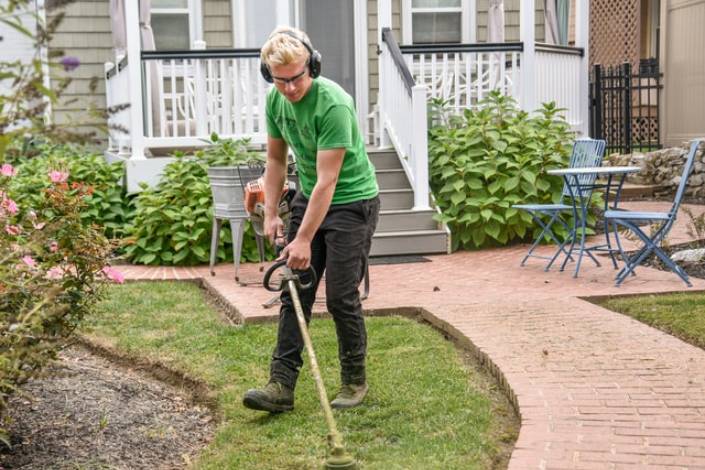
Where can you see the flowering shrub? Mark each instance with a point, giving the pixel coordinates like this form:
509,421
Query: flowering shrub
105,198
52,265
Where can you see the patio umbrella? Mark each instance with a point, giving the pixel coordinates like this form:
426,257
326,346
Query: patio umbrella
117,25
147,37
495,33
562,14
551,22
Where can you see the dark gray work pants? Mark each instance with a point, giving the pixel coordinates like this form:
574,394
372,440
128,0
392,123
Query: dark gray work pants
340,249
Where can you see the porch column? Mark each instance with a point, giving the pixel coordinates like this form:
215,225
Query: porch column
582,39
527,25
384,20
134,78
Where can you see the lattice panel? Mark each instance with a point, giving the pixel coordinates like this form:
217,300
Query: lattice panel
645,125
614,31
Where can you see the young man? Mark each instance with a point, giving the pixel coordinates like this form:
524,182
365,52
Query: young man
334,213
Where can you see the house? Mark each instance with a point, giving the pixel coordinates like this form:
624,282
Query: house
191,67
666,37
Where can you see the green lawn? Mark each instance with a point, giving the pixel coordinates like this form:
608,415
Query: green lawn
428,408
682,315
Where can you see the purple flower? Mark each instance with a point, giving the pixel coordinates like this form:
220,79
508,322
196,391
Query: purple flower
69,63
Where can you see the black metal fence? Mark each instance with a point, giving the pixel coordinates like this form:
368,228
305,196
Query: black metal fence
624,106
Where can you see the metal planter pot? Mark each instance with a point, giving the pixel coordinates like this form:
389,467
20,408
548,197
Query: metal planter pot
227,186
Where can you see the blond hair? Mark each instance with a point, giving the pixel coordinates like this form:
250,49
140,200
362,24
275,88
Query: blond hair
283,49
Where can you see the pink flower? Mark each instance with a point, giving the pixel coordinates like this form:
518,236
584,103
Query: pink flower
29,261
113,274
58,176
8,170
53,247
13,229
11,206
38,226
55,273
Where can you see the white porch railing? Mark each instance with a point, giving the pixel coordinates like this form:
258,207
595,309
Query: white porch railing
117,95
402,108
464,74
558,72
191,94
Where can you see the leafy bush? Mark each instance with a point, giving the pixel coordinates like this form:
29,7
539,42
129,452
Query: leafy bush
173,221
101,183
51,270
483,162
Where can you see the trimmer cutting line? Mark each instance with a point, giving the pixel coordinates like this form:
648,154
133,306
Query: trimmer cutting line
338,458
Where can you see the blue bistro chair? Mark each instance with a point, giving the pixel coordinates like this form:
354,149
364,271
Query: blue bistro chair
586,153
652,242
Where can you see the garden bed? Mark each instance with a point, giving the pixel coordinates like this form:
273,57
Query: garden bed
90,413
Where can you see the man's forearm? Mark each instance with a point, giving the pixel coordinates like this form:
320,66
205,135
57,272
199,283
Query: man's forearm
316,210
273,183
275,175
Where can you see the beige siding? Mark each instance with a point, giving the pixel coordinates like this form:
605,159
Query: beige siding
217,23
84,33
372,43
684,71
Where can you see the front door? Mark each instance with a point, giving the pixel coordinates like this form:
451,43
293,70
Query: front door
329,24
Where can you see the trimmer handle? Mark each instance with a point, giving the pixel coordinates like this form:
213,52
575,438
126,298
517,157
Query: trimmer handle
289,275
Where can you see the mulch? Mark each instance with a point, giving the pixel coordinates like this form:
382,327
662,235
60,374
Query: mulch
89,412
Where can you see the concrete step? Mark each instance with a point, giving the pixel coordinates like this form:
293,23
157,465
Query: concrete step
409,242
396,199
392,179
406,219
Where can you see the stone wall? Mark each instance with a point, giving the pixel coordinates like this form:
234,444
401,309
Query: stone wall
664,168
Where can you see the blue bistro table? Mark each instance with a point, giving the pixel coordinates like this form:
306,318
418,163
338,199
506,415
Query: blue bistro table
581,182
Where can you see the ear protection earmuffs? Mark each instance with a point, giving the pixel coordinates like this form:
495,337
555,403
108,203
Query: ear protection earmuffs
314,59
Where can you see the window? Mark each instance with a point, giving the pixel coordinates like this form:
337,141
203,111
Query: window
254,20
438,21
173,24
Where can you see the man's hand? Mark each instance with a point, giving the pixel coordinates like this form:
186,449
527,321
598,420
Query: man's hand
298,254
274,230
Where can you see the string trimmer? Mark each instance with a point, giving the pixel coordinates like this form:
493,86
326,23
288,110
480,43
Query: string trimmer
338,458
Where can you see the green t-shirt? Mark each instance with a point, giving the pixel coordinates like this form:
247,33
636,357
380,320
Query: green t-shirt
323,119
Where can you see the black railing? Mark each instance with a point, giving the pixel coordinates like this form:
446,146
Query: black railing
450,48
394,50
201,54
559,49
624,106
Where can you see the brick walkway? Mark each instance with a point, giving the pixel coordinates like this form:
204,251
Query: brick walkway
595,389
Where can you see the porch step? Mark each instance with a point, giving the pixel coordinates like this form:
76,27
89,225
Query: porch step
392,179
396,199
409,242
384,159
407,219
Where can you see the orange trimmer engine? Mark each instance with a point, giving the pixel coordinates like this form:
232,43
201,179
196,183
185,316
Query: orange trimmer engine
254,204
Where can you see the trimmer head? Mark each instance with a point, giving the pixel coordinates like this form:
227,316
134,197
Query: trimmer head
336,462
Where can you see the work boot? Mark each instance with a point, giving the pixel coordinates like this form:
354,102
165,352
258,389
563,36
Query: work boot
349,395
274,397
